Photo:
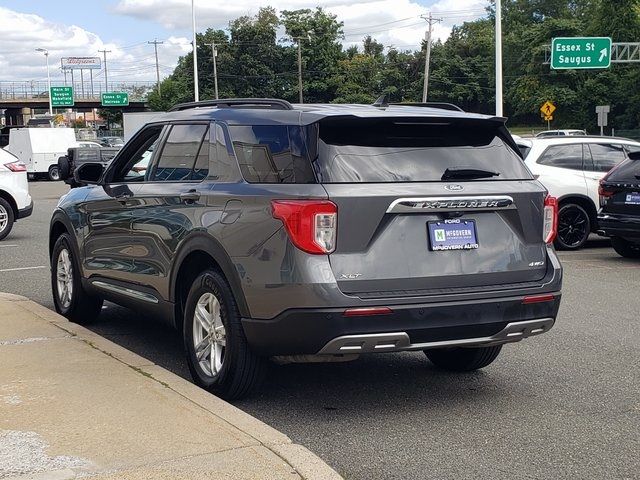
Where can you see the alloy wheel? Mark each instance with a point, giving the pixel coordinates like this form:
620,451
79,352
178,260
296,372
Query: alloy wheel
64,278
209,335
573,226
4,218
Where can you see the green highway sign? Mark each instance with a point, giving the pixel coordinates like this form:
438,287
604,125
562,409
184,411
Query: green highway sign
61,96
115,99
580,53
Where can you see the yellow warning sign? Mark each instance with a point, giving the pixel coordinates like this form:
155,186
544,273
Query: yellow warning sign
547,109
548,118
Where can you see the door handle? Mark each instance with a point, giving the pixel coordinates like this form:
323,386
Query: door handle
190,197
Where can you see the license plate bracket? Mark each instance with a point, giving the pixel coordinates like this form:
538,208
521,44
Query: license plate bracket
452,234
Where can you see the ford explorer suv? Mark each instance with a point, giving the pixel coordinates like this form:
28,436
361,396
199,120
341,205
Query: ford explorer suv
262,229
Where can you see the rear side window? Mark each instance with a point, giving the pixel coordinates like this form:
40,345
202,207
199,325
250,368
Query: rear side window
411,150
563,156
271,154
605,156
628,172
184,156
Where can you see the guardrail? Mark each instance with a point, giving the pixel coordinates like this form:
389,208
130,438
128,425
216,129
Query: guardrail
37,90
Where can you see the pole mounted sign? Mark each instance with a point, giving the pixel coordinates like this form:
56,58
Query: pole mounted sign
79,63
115,99
61,96
580,53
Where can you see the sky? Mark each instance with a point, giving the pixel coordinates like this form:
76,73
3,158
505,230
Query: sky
82,28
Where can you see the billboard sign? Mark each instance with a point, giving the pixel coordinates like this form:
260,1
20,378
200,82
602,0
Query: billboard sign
77,63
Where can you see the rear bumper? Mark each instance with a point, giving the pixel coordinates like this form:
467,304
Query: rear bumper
616,225
408,327
26,211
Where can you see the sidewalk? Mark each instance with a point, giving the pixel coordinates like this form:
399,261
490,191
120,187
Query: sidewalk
73,404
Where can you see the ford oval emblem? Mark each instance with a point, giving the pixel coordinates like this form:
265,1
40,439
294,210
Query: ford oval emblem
454,187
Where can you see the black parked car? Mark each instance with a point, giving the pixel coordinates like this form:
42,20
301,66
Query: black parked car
619,217
77,156
259,228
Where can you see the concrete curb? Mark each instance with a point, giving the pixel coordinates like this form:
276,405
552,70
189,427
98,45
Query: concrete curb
307,464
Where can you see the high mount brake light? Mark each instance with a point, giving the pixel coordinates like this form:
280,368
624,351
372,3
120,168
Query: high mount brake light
550,219
311,224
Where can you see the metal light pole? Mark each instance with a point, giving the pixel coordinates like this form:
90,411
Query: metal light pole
195,52
498,58
46,55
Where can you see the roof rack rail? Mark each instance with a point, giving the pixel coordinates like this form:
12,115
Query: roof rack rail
274,103
440,105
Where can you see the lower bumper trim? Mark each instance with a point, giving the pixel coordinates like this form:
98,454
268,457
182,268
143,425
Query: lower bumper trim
25,212
400,341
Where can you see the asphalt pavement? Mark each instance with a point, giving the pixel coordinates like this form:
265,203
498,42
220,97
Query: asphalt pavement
562,405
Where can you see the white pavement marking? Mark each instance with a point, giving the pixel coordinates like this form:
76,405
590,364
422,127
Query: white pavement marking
5,246
22,268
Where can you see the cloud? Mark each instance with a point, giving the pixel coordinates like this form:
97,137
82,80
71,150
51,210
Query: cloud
22,33
392,22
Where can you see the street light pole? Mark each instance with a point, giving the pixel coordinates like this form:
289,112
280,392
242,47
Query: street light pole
195,52
46,55
499,112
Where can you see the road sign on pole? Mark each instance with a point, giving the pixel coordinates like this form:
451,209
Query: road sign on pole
602,111
61,96
115,99
547,108
580,53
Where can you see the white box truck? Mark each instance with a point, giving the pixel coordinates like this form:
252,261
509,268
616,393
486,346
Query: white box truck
40,148
134,121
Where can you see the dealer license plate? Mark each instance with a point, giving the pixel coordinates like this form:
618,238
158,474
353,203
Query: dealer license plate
452,234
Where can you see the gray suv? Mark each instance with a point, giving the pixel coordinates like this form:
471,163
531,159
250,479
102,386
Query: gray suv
259,228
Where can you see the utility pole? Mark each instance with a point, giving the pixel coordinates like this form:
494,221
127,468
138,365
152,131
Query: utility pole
106,78
498,58
299,40
155,44
430,20
195,53
214,53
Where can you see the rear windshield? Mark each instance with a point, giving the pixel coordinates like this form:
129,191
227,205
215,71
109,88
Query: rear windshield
383,150
627,171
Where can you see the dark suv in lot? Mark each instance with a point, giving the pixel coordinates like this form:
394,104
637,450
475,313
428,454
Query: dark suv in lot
259,228
619,217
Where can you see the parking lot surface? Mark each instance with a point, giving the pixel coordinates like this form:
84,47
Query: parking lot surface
563,405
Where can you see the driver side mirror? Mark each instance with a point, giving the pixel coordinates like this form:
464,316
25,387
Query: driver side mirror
89,173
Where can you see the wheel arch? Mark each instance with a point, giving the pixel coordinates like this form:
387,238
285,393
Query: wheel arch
11,201
585,202
198,253
61,224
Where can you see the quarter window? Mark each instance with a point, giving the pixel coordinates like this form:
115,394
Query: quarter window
606,156
563,156
271,154
184,155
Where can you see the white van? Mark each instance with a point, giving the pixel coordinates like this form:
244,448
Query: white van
40,148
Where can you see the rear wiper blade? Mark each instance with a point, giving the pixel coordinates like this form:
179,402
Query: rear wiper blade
467,174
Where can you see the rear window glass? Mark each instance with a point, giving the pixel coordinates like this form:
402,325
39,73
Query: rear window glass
606,156
563,156
627,171
271,154
382,150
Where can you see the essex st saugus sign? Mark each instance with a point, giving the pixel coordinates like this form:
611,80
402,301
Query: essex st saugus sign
580,53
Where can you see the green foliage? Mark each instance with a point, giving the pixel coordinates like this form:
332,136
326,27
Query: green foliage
253,62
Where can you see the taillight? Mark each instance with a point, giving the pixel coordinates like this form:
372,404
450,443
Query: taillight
550,229
16,166
604,193
311,224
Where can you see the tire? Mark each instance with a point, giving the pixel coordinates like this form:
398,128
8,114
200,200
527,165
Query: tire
6,218
54,173
463,359
229,370
72,302
574,227
625,248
